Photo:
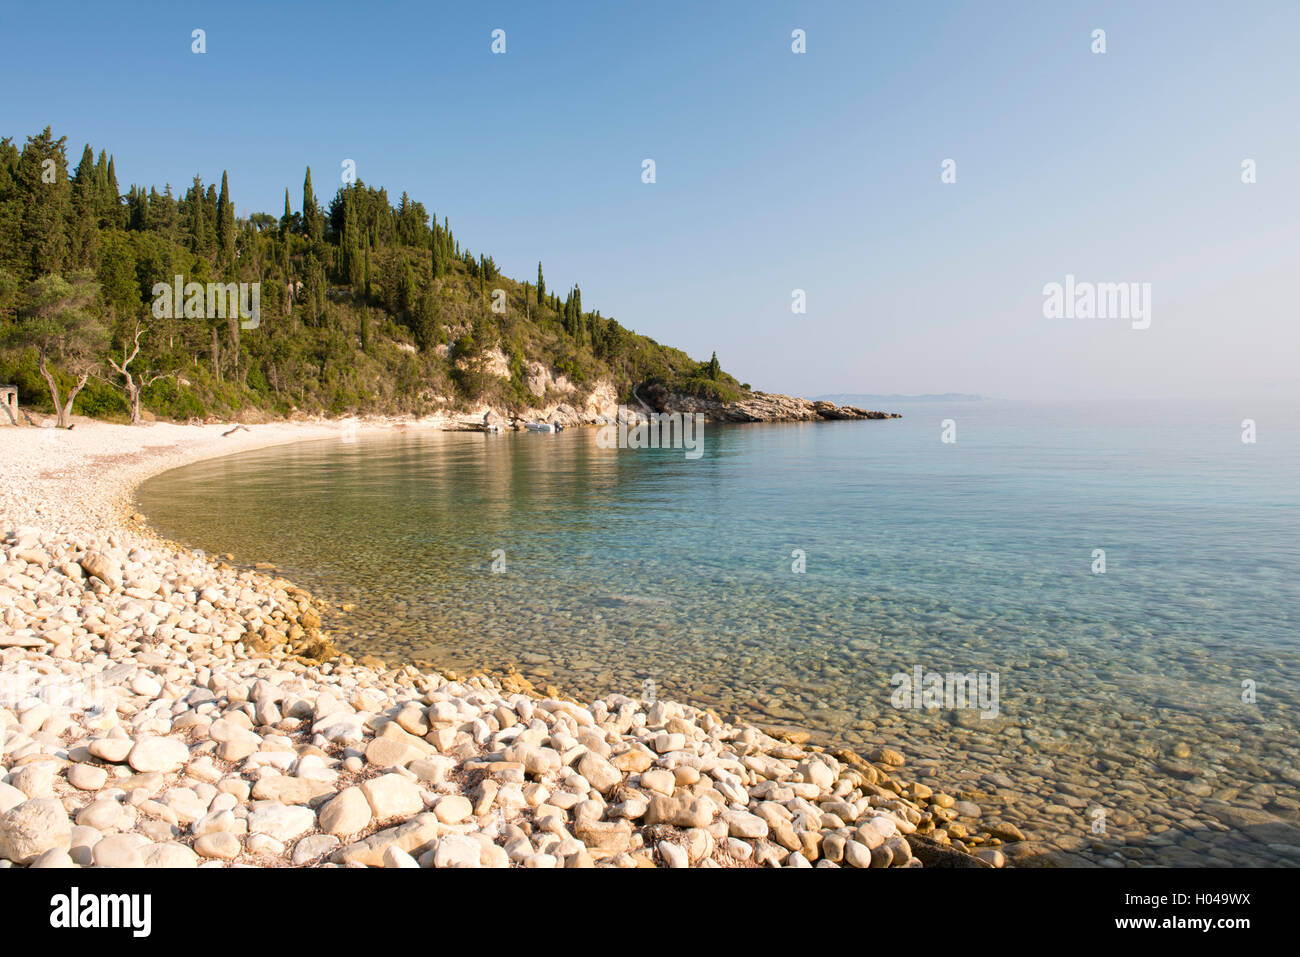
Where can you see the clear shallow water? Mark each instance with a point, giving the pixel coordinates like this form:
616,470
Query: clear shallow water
623,566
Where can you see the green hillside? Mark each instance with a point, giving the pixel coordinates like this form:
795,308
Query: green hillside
366,306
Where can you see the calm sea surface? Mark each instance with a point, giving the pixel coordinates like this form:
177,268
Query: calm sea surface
1149,714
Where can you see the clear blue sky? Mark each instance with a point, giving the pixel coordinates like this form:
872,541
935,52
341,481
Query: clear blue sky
776,171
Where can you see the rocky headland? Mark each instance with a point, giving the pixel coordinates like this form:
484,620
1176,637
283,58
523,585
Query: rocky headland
755,407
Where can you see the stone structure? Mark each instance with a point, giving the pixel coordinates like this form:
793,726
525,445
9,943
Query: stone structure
9,399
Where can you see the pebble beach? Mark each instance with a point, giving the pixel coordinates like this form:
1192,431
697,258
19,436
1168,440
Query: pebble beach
160,707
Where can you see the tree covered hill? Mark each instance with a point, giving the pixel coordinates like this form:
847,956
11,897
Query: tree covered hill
365,306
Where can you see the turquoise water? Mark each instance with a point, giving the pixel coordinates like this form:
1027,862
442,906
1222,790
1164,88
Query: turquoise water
627,567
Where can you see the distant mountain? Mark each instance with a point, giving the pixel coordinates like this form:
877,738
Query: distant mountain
859,399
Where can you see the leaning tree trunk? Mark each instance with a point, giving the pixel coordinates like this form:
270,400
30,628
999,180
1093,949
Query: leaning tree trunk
65,413
54,390
61,411
133,397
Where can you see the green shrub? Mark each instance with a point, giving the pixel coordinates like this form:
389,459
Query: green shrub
99,400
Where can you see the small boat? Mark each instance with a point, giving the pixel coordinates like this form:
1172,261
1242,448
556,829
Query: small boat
539,426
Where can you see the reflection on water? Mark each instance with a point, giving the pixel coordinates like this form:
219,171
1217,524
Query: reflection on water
613,567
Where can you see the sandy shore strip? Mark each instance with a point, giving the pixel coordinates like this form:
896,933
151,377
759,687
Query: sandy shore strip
163,709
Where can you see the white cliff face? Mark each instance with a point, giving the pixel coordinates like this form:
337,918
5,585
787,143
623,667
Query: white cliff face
569,404
541,379
603,401
496,363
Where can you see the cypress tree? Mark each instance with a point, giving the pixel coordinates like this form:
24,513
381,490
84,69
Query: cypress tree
541,285
101,190
308,196
225,223
407,292
83,232
311,215
367,268
195,222
208,201
135,200
112,197
165,217
353,267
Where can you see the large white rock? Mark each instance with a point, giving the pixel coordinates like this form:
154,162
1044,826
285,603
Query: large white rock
36,780
158,754
391,795
602,775
113,750
746,825
118,850
282,822
10,797
87,777
457,850
346,814
32,828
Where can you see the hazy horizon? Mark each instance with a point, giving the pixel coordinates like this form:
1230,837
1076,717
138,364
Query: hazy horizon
775,171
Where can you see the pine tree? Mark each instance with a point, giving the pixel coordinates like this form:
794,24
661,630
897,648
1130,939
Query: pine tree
11,206
47,202
714,368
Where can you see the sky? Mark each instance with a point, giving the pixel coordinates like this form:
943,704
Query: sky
775,171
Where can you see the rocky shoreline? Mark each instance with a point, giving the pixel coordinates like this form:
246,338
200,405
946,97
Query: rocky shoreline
560,402
162,708
758,407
